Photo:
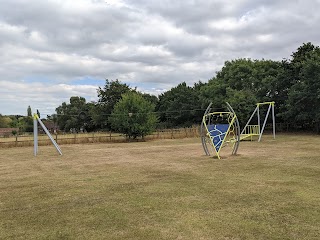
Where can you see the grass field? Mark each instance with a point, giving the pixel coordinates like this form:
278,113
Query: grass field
164,189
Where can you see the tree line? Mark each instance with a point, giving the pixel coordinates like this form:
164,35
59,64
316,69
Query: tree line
23,123
294,84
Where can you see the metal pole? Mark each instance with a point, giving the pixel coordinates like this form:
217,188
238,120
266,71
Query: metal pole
249,120
264,123
203,135
49,135
35,136
273,122
258,113
237,129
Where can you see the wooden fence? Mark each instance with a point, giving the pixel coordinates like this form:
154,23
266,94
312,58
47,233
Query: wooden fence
96,137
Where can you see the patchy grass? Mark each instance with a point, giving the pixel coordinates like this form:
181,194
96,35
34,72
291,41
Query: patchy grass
163,189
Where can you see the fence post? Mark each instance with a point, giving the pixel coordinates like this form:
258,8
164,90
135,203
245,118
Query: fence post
110,136
172,133
16,140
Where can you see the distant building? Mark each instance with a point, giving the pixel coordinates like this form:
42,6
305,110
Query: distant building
50,125
6,132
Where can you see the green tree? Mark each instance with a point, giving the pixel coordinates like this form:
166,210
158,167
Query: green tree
243,83
112,91
151,98
243,103
214,91
24,123
179,106
258,76
133,116
304,95
108,96
5,121
73,116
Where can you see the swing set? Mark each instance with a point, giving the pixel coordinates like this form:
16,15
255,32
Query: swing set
249,130
219,129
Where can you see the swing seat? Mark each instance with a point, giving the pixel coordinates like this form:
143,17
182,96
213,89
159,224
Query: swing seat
250,131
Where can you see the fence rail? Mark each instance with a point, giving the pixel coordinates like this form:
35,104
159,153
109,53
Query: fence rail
96,137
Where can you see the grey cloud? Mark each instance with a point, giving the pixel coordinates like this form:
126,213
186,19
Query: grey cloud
150,44
66,28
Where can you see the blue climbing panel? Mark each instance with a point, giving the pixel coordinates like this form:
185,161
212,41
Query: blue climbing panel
218,132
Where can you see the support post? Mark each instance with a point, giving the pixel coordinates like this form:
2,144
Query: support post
273,122
203,134
237,130
257,109
258,114
35,136
264,123
47,132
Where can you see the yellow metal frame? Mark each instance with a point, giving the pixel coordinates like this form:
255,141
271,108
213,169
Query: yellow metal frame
208,133
265,103
256,130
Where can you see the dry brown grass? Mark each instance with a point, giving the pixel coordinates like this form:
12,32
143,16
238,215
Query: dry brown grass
163,189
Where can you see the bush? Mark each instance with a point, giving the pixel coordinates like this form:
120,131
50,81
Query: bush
133,116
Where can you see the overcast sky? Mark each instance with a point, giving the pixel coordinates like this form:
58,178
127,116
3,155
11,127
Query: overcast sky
52,50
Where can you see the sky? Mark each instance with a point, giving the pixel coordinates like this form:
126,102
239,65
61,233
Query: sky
54,49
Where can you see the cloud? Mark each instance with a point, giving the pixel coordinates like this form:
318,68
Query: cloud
17,96
55,49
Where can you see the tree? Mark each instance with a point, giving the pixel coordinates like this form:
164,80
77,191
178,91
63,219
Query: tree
73,116
108,96
179,106
133,116
24,123
5,121
243,83
243,103
29,112
112,91
258,76
151,98
215,91
304,95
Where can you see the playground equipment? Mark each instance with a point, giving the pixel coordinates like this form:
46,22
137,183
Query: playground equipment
219,129
37,120
257,130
